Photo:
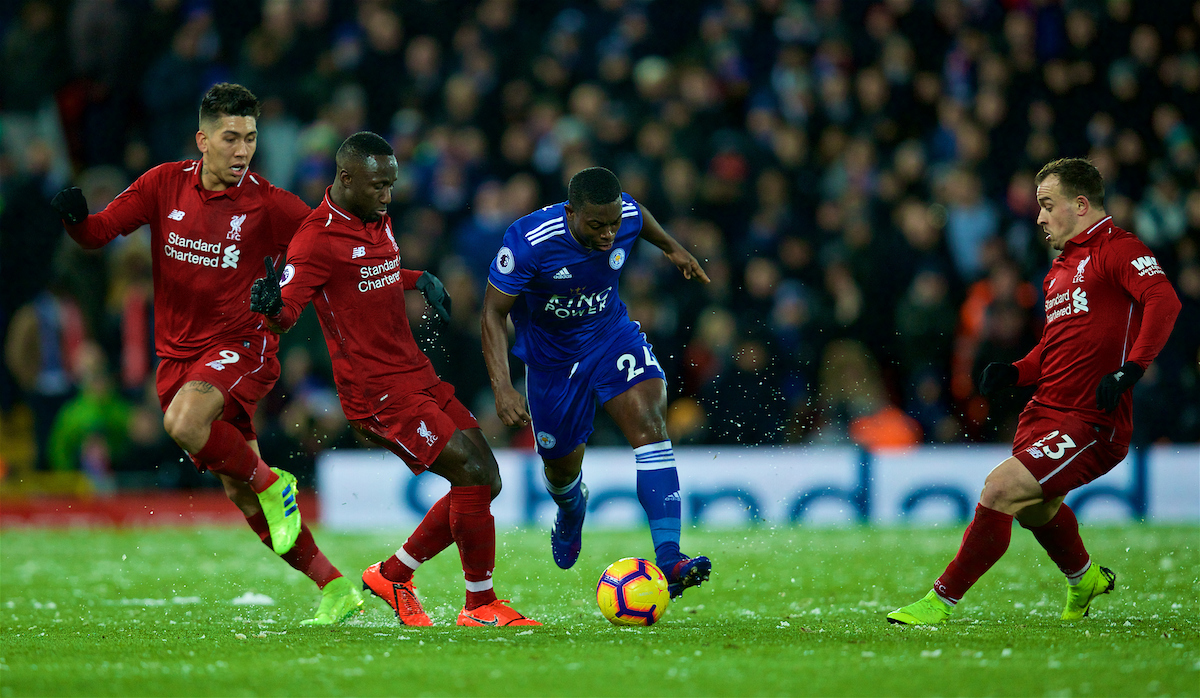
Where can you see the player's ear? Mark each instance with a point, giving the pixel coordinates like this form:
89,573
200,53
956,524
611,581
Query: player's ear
201,141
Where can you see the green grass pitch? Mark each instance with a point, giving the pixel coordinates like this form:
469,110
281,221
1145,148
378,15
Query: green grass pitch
789,611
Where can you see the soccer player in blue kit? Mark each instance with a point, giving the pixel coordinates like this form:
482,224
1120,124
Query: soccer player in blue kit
557,275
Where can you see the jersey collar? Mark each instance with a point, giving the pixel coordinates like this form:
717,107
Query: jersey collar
1091,233
231,192
338,213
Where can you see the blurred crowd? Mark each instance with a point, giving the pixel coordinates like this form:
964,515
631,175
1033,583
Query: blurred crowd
856,177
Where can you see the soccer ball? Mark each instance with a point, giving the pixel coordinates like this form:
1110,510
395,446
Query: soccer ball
632,591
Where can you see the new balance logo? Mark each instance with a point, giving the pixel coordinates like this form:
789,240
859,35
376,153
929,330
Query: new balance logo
563,274
360,251
232,254
1147,266
176,215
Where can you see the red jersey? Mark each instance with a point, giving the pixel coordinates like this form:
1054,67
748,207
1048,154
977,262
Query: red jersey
1107,302
351,271
207,248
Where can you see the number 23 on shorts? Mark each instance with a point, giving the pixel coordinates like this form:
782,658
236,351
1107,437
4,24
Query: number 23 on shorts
1055,444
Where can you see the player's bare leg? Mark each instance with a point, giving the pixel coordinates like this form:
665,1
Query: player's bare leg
639,412
564,482
1008,489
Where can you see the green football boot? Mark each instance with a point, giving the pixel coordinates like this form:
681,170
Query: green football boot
1096,581
930,610
283,514
339,601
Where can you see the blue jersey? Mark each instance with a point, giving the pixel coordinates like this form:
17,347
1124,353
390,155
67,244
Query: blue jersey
567,302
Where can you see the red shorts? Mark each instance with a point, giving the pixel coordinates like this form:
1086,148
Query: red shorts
1062,451
243,375
417,426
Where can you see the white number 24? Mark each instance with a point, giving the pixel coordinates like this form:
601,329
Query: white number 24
628,363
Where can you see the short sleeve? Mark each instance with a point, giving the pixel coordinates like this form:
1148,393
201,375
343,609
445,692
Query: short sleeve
514,264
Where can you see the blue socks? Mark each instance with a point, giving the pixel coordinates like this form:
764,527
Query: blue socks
568,498
658,492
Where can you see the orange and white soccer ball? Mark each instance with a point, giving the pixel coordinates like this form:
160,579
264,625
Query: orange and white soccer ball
632,591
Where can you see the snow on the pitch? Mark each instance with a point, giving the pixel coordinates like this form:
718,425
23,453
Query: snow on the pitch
251,598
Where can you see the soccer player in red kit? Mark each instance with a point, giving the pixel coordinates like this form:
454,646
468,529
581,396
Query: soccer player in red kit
211,220
345,260
1109,311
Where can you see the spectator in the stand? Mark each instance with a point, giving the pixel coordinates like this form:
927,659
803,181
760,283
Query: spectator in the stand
91,431
742,405
788,131
41,348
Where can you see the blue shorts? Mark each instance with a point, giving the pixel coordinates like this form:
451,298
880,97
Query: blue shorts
563,402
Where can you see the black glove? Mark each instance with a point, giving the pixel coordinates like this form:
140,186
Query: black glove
265,297
1108,393
70,205
997,376
435,295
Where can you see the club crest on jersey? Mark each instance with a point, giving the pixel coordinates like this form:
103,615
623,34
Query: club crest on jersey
289,272
616,260
504,261
546,440
176,214
424,433
387,229
1079,271
235,228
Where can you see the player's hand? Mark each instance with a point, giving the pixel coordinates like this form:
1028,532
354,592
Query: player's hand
435,295
510,407
265,296
70,205
687,264
997,376
1108,393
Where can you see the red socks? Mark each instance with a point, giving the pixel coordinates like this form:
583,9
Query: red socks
984,542
1060,537
431,537
226,452
474,530
304,555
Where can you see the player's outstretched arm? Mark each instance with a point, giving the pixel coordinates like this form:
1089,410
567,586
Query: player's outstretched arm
265,297
656,235
510,404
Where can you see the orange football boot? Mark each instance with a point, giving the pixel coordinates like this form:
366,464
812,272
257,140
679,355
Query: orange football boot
401,596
